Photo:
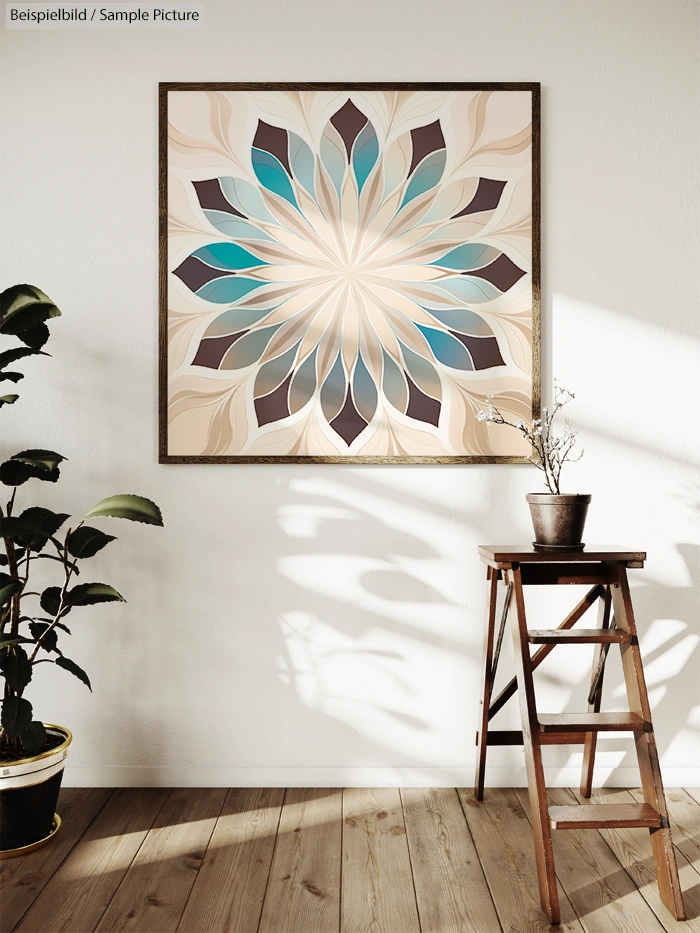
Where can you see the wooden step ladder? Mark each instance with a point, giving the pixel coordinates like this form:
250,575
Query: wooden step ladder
605,570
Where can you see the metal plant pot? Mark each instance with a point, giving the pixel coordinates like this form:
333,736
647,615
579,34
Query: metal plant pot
558,520
29,791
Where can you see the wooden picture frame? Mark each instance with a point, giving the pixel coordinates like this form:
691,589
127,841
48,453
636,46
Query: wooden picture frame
347,271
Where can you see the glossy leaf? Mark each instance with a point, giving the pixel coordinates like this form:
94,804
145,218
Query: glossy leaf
86,541
16,669
22,307
135,508
46,460
87,594
33,738
17,353
51,599
71,666
8,399
16,715
37,525
50,642
31,464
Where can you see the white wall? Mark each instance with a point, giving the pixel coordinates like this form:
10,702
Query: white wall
323,624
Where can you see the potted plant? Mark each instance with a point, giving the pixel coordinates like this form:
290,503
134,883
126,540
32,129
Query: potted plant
32,752
558,518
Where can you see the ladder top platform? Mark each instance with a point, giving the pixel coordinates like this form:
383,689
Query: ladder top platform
498,554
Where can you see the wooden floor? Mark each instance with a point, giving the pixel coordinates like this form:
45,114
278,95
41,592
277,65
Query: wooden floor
320,860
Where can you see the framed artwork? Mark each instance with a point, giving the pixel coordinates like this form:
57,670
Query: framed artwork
347,271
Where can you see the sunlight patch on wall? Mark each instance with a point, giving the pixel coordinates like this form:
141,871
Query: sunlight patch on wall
369,682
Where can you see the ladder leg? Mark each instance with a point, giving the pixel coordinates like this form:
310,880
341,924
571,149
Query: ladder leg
544,855
486,683
645,742
589,748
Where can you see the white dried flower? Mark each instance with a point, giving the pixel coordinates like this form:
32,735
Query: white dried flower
483,416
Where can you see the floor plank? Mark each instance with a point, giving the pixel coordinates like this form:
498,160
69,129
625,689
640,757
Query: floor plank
451,890
378,893
503,837
303,892
154,891
78,894
23,879
257,860
228,893
602,893
633,850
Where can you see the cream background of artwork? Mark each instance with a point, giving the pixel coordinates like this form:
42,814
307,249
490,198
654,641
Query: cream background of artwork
323,624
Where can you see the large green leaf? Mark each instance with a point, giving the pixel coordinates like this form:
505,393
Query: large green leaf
87,594
135,508
16,668
31,464
8,588
8,399
86,541
36,525
50,642
16,715
22,307
71,666
18,353
33,738
46,460
51,599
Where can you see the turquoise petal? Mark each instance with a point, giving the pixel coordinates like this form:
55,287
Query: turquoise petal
462,320
365,153
447,349
427,175
245,198
226,290
228,256
234,321
248,349
468,256
303,162
468,290
235,228
271,175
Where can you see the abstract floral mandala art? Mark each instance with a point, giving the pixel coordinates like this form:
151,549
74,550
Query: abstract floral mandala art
349,273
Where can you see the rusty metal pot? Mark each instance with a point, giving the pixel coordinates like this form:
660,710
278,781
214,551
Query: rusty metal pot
558,520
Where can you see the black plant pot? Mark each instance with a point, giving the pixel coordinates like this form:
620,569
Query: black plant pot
558,520
29,791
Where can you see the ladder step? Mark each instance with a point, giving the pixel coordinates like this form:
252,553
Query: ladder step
581,636
592,722
604,816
